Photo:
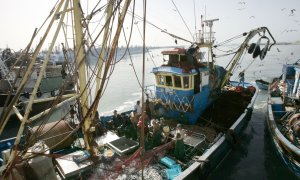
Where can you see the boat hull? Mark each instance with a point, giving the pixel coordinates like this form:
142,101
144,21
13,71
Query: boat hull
262,85
283,147
220,149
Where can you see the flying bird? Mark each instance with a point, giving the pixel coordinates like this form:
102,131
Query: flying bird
289,30
292,12
252,17
242,2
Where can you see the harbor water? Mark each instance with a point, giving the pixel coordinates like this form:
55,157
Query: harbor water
254,156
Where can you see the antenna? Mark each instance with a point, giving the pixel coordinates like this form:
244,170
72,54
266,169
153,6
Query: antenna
210,23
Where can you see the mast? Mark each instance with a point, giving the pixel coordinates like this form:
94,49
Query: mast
28,109
82,76
104,46
109,59
142,140
6,114
104,42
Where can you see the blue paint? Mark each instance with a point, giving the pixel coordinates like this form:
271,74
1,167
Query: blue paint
180,97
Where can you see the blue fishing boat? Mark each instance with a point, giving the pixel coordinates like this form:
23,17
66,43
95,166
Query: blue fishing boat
182,128
283,116
261,84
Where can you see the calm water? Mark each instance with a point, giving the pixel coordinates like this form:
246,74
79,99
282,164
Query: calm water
255,157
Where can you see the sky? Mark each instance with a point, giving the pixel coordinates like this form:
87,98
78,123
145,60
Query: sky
19,18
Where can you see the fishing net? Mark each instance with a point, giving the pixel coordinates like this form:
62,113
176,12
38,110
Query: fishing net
129,167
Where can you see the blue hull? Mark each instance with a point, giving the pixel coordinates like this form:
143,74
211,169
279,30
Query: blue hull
220,149
284,149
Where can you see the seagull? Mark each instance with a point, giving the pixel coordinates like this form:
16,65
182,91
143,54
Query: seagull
252,17
292,12
242,2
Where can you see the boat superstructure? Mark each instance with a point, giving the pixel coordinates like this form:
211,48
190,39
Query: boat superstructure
283,113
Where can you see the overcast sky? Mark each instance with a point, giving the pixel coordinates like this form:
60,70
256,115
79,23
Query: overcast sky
19,18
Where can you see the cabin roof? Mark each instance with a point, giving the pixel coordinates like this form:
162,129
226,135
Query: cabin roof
175,51
297,68
176,70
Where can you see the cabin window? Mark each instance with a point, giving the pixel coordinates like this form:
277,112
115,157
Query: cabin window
173,60
160,80
169,81
186,82
177,81
204,78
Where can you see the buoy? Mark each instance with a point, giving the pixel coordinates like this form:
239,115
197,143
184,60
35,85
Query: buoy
251,48
263,53
256,52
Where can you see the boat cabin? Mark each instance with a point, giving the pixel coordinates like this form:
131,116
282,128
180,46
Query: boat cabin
289,76
178,81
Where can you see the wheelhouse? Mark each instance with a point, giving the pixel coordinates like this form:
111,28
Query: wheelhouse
177,82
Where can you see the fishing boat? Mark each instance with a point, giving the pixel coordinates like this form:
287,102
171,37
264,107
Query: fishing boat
283,116
187,123
261,84
13,66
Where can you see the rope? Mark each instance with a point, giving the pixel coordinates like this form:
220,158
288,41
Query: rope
229,40
162,30
183,20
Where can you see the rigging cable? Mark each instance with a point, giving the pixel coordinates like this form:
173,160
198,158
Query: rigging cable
135,73
183,20
195,17
146,47
162,30
229,40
